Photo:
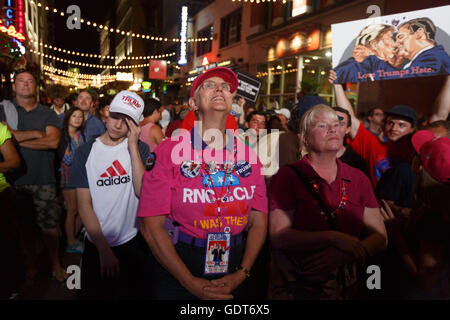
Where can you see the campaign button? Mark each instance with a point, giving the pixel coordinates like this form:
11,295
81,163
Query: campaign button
213,168
150,162
189,169
243,168
228,166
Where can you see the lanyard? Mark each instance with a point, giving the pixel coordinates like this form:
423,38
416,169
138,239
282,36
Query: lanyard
206,167
342,199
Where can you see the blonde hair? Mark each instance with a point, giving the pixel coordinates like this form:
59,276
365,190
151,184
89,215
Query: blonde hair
372,32
307,120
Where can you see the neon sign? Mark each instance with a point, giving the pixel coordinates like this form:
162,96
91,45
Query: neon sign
20,16
11,31
14,20
183,35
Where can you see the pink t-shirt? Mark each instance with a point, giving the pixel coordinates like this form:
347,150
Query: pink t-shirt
145,136
175,188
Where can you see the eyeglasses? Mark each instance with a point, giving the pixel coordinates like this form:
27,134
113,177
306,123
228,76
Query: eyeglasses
211,85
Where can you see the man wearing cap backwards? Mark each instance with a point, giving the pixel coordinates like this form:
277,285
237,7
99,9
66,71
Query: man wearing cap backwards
107,174
284,114
207,195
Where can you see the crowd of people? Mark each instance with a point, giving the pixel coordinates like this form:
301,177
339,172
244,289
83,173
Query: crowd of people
217,198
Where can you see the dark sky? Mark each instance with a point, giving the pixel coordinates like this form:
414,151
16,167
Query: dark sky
87,38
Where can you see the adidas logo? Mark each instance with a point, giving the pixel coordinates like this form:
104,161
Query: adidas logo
115,174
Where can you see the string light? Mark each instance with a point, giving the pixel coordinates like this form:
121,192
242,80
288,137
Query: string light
128,33
265,74
66,73
99,56
89,65
66,81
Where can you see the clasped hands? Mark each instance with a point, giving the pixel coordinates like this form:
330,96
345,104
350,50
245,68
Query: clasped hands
218,289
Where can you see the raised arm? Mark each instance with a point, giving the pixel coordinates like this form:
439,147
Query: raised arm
342,101
49,141
136,161
441,108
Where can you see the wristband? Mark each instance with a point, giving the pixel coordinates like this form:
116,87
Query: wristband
247,272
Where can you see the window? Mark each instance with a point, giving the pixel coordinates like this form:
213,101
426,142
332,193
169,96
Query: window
129,45
230,29
120,51
204,47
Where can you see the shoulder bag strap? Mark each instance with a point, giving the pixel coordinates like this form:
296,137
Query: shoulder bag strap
331,221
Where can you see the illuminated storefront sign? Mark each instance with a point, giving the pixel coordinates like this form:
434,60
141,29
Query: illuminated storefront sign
299,42
158,69
299,7
13,19
124,76
20,16
195,72
183,35
12,32
146,86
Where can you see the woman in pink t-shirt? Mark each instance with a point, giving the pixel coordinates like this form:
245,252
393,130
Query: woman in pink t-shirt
151,132
197,203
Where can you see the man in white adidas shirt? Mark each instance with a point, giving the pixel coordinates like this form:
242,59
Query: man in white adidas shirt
107,173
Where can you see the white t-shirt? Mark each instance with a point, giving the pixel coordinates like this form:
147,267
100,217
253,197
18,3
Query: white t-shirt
110,181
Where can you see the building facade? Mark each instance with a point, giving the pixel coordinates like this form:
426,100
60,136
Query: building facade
289,48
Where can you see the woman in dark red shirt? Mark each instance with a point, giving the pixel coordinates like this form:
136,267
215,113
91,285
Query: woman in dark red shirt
316,246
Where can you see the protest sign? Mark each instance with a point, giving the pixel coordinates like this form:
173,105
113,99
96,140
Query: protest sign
403,45
249,86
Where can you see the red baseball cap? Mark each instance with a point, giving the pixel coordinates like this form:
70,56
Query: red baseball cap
222,72
434,154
